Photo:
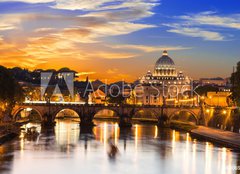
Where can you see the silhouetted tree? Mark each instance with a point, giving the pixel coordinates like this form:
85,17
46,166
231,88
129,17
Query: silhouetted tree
235,80
203,90
10,92
116,97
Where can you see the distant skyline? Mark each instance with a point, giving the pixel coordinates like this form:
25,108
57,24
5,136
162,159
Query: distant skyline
121,40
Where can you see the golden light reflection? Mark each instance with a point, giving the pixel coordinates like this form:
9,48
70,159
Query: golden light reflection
136,136
66,133
208,158
116,133
95,132
229,161
223,160
22,145
189,156
101,134
187,139
194,149
105,129
1,150
173,140
156,132
186,155
227,114
68,137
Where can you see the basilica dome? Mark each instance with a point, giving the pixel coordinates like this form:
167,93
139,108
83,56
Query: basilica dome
165,67
164,60
165,73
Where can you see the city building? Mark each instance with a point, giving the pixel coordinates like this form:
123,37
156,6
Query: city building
218,81
218,99
164,85
97,97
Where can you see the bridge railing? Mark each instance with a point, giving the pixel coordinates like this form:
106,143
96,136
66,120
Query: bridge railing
44,103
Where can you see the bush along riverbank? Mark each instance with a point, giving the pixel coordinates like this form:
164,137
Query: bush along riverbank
8,132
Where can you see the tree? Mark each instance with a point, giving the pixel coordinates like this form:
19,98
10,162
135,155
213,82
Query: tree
116,97
235,80
10,92
203,90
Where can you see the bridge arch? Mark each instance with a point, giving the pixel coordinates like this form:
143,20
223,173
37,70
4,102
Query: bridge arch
115,113
55,114
149,113
16,113
176,114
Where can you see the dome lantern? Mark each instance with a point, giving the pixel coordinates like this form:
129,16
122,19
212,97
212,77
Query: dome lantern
165,53
165,60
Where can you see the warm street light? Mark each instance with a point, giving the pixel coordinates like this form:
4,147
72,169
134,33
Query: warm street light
224,112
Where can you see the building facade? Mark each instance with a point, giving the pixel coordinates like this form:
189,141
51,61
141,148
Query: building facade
218,99
218,81
164,85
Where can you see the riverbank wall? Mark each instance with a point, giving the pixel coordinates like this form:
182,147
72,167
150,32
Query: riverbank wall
221,137
9,131
7,137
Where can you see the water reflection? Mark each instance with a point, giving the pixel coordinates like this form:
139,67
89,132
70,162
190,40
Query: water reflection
142,149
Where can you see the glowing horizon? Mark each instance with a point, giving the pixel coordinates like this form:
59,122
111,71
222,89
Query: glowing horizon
122,40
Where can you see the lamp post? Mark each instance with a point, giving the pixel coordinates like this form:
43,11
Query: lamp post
224,112
47,98
210,100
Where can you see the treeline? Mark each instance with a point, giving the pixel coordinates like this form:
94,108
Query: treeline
11,92
235,80
34,76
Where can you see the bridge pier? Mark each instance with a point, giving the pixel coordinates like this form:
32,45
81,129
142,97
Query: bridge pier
125,117
162,119
125,121
48,121
202,121
86,121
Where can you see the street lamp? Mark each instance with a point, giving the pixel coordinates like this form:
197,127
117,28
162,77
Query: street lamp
47,102
45,96
210,100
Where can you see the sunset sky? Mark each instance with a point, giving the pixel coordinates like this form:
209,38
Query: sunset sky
121,39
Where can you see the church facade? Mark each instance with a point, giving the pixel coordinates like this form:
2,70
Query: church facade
165,85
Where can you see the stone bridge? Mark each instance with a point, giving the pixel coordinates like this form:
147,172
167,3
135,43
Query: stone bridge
86,113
